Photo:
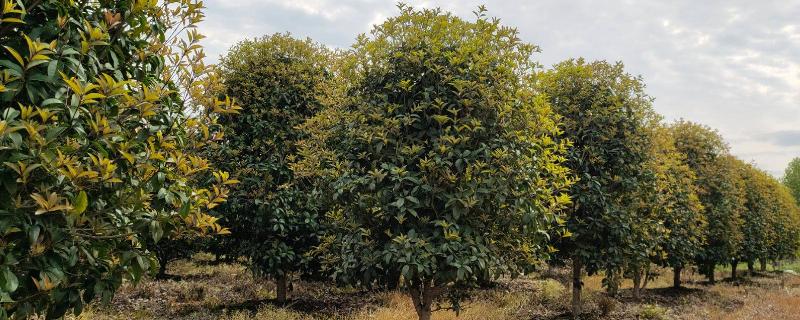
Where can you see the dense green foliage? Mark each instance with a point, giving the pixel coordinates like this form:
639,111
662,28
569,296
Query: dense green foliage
721,191
760,201
435,153
676,204
791,178
439,154
605,113
97,146
279,81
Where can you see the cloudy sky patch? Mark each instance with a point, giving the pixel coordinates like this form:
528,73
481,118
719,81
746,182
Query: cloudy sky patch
733,65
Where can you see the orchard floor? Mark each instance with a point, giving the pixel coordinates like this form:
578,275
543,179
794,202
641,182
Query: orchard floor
202,290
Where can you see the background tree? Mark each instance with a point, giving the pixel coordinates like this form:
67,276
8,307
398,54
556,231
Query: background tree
440,154
676,204
278,80
759,205
791,178
102,113
783,228
720,190
605,111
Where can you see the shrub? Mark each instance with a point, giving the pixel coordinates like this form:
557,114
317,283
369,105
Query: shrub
101,118
279,81
605,114
439,154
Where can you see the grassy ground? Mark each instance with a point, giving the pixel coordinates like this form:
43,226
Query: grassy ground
202,290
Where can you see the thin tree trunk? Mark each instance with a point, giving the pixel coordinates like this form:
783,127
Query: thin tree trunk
577,285
162,270
710,273
676,277
394,280
551,270
646,277
751,267
422,295
280,288
763,264
637,279
734,265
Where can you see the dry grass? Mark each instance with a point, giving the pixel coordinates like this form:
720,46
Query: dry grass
228,291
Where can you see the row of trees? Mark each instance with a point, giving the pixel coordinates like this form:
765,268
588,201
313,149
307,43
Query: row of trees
437,152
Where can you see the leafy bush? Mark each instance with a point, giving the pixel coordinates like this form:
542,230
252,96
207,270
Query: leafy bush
102,115
605,114
676,203
720,189
279,81
439,154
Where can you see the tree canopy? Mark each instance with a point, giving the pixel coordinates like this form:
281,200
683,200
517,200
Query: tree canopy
791,178
721,191
279,81
604,114
102,117
676,203
440,154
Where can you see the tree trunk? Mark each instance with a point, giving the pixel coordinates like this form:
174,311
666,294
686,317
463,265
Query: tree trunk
763,264
734,265
646,277
611,277
710,273
280,288
423,293
577,284
751,267
162,270
637,280
676,277
394,280
551,271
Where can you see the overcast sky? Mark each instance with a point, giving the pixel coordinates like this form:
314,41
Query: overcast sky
732,65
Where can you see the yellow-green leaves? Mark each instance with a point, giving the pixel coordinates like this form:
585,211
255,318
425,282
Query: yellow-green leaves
16,55
80,203
22,169
38,53
90,156
11,12
50,202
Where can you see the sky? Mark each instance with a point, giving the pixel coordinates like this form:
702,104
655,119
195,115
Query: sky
732,65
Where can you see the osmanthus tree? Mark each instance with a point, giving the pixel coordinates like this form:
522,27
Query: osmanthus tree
101,116
279,82
721,191
677,205
783,227
645,235
605,112
760,199
440,154
791,178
